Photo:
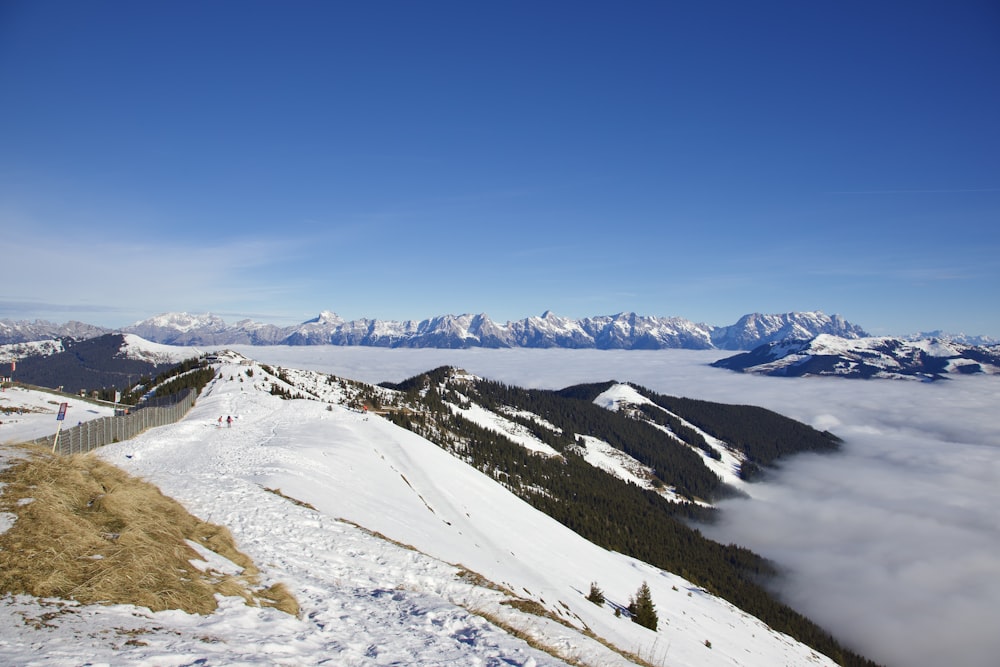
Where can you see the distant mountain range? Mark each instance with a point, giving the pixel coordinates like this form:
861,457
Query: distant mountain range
23,331
625,331
879,357
80,355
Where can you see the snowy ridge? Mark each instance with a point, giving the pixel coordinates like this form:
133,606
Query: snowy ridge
600,454
499,424
184,322
621,397
366,600
595,451
141,349
23,331
109,360
757,329
41,348
871,357
961,338
625,331
203,329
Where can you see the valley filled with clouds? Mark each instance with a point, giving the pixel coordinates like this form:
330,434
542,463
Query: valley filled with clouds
892,544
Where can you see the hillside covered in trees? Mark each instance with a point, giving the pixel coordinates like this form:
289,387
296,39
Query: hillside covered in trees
665,435
92,364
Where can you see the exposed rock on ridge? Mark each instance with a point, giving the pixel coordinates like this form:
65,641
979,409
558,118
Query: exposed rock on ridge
624,331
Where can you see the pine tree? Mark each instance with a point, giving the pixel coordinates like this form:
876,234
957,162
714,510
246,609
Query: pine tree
642,608
596,595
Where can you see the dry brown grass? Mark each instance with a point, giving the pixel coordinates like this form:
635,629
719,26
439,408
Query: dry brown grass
89,532
294,501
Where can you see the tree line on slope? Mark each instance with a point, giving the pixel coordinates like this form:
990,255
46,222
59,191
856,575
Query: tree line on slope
91,365
673,463
762,436
597,505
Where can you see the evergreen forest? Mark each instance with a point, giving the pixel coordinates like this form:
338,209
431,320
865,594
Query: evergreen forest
618,515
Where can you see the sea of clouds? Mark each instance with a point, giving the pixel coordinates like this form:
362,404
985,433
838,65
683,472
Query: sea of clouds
892,545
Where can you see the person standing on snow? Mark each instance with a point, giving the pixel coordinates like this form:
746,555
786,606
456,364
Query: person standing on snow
229,421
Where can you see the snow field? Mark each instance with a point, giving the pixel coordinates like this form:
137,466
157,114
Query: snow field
365,600
512,430
33,413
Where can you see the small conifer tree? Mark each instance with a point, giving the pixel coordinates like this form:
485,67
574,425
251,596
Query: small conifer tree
596,595
642,608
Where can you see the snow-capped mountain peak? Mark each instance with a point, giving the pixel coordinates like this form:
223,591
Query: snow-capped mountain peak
756,329
625,330
326,317
183,322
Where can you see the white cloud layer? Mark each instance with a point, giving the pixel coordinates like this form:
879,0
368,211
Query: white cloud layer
893,545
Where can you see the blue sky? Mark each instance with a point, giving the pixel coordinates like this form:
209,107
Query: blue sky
408,159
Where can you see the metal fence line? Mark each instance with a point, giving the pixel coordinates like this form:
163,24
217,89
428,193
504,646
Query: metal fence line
106,430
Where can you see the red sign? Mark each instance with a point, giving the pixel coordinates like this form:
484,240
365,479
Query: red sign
62,411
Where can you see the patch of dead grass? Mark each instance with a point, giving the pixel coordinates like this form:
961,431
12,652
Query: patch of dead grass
88,531
294,501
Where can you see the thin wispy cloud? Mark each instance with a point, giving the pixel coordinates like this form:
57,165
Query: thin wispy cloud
889,270
74,275
915,191
14,309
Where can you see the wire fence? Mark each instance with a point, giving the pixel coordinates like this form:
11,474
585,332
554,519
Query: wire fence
106,430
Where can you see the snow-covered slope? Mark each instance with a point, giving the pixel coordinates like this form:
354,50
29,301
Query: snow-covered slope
28,414
879,357
726,466
136,347
597,452
420,599
110,360
40,348
132,347
960,338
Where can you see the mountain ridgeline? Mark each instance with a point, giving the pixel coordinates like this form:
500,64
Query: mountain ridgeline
626,331
877,357
760,435
678,442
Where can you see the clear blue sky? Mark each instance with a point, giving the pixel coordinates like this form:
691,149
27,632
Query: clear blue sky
408,159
